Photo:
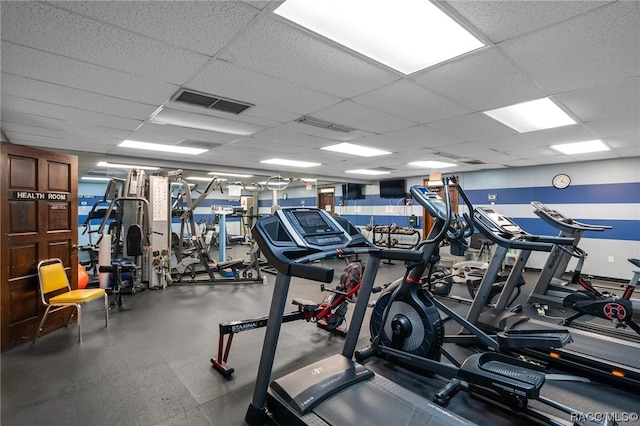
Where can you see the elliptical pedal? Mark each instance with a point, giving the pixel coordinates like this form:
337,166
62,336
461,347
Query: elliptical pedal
503,374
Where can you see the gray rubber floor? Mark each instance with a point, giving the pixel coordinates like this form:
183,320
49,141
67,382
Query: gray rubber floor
151,365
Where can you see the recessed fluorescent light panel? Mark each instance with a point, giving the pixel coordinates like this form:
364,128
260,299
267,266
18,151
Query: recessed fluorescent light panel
367,172
203,179
581,147
229,174
531,116
97,179
125,166
349,148
432,164
162,148
291,163
407,35
203,122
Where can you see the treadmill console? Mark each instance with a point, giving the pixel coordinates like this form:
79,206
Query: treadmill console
496,222
312,227
430,201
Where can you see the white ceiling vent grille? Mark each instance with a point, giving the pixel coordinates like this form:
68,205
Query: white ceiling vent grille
323,124
210,101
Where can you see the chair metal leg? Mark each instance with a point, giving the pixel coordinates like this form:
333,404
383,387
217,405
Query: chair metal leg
79,323
46,312
71,314
106,310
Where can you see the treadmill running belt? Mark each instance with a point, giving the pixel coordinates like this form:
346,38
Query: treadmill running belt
368,404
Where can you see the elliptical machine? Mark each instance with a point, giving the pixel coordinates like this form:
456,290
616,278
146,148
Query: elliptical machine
406,328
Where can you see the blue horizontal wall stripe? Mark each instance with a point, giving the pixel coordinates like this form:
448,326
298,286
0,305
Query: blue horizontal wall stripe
627,230
577,194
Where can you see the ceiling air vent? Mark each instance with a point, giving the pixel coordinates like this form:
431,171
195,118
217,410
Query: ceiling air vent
210,101
323,124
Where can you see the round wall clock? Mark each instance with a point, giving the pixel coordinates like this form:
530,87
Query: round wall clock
561,181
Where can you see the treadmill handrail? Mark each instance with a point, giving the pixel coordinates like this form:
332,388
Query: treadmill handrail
520,240
551,216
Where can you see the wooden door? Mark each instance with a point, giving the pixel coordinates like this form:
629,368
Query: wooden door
38,220
453,194
326,201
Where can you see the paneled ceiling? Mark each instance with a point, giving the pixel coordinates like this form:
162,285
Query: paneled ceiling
82,76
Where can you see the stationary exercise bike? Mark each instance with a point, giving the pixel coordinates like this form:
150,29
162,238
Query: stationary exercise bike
406,328
589,301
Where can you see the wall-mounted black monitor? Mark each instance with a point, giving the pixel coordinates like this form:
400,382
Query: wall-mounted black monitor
352,191
393,188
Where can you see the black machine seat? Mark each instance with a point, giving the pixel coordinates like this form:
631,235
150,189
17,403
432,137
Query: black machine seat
636,262
305,305
501,372
229,263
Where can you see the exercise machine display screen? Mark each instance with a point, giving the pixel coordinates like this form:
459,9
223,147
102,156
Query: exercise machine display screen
312,222
430,201
314,227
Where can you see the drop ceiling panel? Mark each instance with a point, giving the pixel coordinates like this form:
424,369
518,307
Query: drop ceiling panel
615,127
54,124
159,131
281,135
41,26
408,100
620,99
56,69
359,117
276,48
53,93
328,134
481,81
28,106
595,48
565,134
421,136
502,20
230,81
185,24
472,126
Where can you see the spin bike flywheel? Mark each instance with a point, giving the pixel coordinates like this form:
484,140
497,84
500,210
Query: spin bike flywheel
422,317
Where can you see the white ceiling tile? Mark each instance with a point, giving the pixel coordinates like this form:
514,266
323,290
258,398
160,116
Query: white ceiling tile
274,47
175,133
628,142
472,126
55,125
410,101
356,116
620,99
615,127
501,20
230,81
328,134
41,26
595,48
184,23
283,136
56,69
422,136
75,98
481,81
574,133
28,106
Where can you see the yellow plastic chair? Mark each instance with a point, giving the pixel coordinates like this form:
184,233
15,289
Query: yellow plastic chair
53,278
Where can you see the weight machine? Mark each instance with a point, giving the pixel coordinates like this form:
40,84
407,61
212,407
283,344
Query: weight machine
196,259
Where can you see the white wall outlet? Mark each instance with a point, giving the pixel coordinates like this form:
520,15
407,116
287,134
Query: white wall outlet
610,259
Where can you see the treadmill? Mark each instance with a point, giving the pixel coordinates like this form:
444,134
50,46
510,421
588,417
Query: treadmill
549,288
336,390
598,356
